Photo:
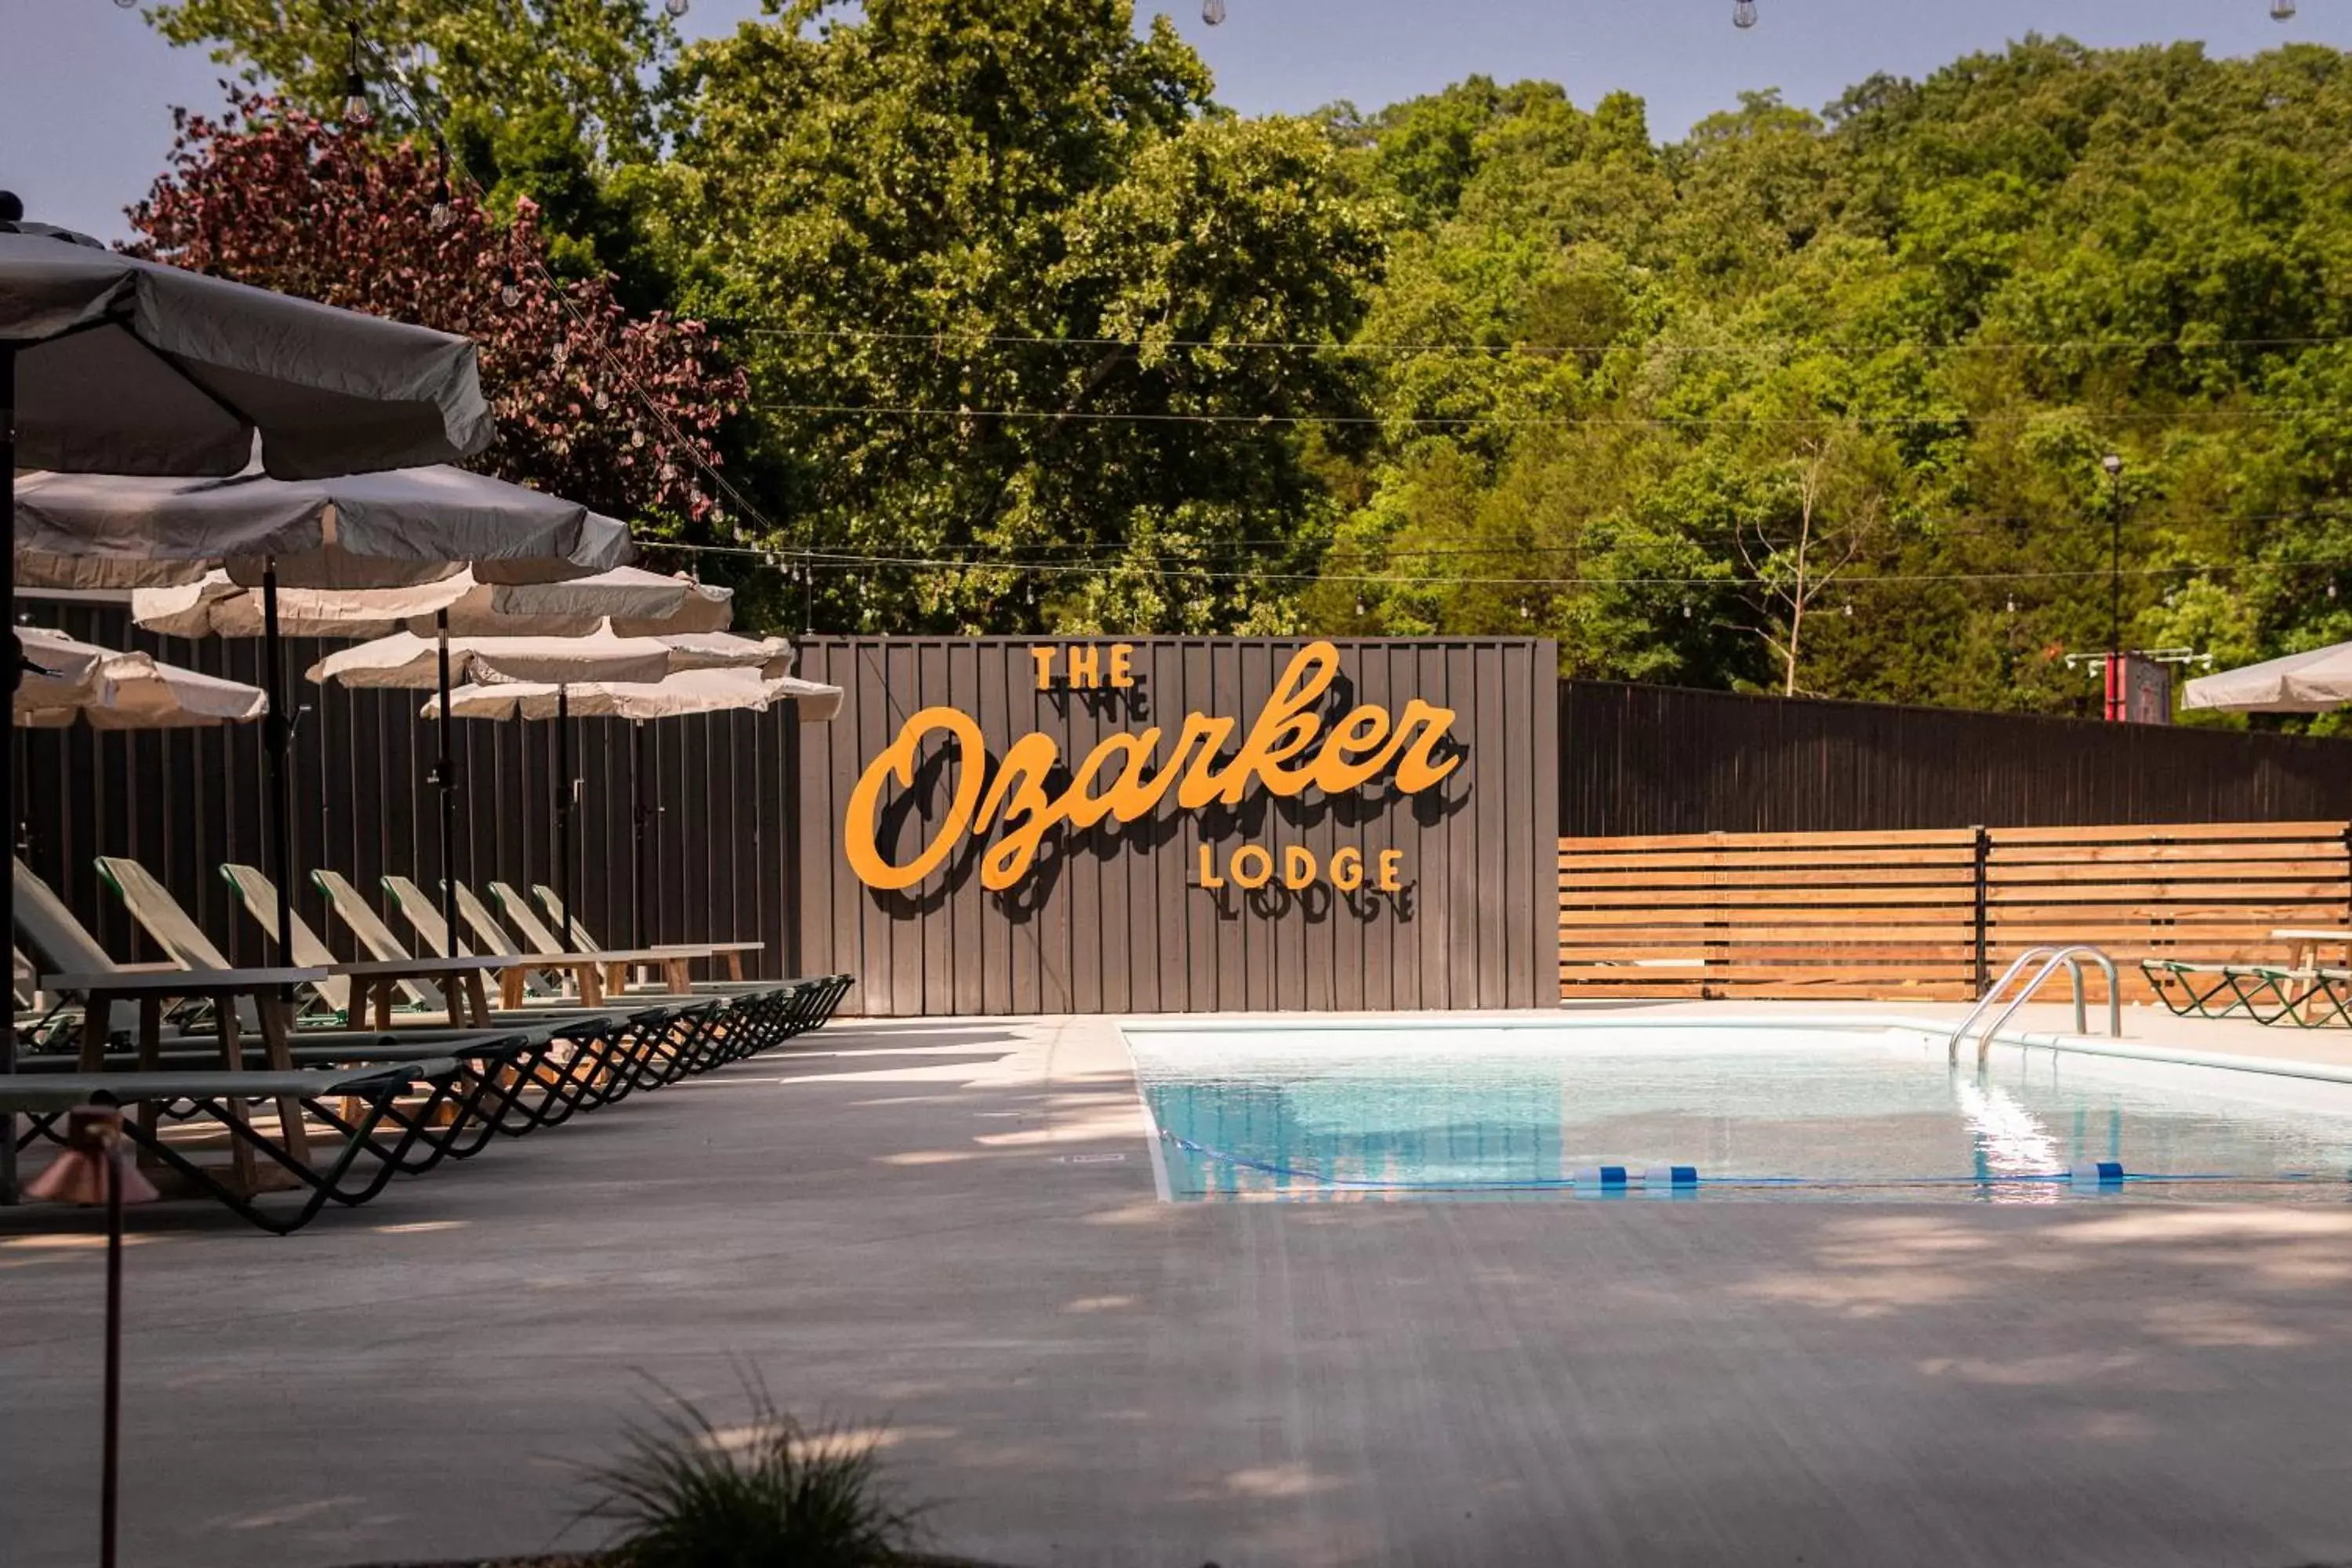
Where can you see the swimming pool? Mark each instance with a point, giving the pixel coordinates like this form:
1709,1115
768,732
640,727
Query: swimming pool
1543,1108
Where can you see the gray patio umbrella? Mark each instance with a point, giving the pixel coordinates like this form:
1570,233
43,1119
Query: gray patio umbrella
111,364
323,550
404,660
738,689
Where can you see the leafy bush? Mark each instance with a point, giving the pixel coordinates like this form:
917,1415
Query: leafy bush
769,1493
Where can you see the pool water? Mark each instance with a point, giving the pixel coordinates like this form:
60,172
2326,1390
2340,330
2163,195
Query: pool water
1541,1110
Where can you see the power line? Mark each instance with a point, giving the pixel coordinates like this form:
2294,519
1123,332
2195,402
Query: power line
944,340
1528,421
1013,555
823,559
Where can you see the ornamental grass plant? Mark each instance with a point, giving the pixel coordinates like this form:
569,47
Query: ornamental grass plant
768,1493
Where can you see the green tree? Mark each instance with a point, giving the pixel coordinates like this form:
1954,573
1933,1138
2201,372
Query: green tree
1003,280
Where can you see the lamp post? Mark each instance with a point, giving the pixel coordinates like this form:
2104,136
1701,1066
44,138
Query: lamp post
2114,465
92,1170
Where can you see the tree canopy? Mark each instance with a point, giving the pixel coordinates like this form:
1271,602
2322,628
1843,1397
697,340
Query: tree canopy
1037,336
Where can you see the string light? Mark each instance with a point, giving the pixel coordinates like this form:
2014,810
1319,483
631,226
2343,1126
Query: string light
509,291
1743,14
355,99
1212,11
124,5
2282,10
676,8
442,214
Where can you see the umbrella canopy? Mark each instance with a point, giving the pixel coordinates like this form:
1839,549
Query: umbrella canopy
360,530
2311,682
125,366
639,603
405,660
80,682
693,691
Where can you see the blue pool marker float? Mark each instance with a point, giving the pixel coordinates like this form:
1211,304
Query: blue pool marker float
1605,1178
2097,1174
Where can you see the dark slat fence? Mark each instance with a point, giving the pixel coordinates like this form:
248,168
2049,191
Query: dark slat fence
1659,760
720,853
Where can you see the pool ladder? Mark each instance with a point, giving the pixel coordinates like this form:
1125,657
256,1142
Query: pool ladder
2050,959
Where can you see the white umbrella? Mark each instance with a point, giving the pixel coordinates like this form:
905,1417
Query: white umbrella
692,691
79,682
2313,682
220,607
408,661
637,601
405,661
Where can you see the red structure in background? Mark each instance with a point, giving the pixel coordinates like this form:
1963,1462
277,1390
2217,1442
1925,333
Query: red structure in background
2139,690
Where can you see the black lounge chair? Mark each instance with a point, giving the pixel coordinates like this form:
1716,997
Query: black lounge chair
357,1170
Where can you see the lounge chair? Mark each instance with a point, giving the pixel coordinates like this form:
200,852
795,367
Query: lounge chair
2268,994
371,1094
61,945
730,952
259,896
161,916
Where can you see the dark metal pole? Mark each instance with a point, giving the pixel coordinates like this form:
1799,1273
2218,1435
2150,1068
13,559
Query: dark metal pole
563,800
445,775
16,679
638,819
273,747
113,1439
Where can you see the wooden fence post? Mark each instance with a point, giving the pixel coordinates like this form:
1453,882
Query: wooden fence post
1983,912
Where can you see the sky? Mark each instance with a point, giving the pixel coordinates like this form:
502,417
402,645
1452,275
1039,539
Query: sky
86,88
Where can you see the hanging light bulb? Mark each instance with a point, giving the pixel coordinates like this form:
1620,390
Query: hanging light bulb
124,5
2013,603
1743,14
603,400
636,438
509,291
1212,11
677,7
355,99
2282,10
442,214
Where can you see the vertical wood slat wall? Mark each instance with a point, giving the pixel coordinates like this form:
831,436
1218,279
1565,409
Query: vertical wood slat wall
1899,916
183,802
1110,921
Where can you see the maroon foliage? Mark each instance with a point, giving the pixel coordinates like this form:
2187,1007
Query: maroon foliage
591,405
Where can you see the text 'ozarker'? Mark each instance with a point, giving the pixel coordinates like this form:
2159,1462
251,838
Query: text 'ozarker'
1288,750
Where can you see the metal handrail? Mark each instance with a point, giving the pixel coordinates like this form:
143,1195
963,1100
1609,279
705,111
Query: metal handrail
1992,994
2071,957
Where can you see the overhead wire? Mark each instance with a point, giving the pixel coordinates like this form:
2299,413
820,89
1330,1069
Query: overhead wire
945,340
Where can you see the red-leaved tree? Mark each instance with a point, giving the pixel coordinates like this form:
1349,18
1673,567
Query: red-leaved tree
617,413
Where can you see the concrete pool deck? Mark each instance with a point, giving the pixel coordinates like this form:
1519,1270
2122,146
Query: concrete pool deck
948,1227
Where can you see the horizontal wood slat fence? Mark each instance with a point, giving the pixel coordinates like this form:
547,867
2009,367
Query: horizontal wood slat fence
1931,915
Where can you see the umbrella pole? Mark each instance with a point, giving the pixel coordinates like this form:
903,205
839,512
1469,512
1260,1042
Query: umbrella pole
563,801
16,679
638,819
273,747
446,776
